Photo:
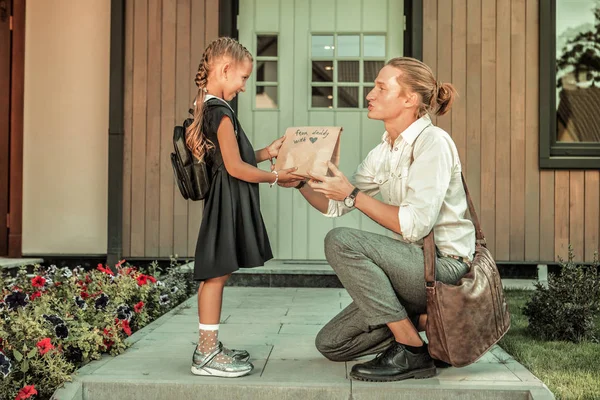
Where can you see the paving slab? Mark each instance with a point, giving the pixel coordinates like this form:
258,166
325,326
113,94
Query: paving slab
278,327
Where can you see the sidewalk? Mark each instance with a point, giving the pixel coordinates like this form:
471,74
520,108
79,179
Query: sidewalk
277,326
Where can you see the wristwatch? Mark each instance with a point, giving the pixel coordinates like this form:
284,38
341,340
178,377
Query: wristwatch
349,201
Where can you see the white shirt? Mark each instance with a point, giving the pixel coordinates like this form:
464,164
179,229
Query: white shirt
429,192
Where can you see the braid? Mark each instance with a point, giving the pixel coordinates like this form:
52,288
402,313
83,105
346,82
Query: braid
196,141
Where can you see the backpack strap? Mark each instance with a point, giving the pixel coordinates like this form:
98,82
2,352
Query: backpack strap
215,101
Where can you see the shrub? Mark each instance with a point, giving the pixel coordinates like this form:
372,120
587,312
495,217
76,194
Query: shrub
57,320
567,308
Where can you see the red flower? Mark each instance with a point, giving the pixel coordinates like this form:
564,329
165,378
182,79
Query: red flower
126,327
105,270
120,263
151,278
57,284
142,280
35,295
138,307
44,346
108,343
38,281
26,392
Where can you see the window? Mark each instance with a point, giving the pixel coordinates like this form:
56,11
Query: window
570,84
266,72
344,67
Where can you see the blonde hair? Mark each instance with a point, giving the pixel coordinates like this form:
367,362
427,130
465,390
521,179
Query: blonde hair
436,97
195,139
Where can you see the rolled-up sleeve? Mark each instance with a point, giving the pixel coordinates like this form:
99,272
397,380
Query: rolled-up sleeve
363,179
427,183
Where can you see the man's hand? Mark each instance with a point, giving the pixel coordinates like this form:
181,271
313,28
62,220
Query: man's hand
336,187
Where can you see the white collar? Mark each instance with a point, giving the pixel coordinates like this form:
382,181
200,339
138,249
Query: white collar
207,97
411,133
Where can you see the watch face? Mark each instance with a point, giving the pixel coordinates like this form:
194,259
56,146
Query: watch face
349,202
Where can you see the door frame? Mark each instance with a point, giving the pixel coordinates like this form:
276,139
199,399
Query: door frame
17,93
413,38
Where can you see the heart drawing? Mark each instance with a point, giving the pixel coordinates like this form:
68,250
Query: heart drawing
313,139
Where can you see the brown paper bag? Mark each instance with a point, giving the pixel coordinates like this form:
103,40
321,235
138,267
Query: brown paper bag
309,148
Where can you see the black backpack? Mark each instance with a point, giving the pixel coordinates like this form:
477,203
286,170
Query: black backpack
191,175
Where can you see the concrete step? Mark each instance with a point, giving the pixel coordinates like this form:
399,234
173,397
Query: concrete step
278,327
311,274
13,263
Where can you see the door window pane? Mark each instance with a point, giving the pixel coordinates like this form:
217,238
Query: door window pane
347,97
266,96
322,97
374,46
266,71
266,46
322,46
371,69
348,71
348,46
322,71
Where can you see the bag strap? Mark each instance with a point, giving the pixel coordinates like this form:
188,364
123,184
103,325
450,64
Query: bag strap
480,238
429,250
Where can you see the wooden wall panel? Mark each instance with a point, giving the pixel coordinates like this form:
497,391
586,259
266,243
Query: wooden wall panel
517,130
592,214
163,45
139,128
167,117
488,121
532,173
529,215
503,134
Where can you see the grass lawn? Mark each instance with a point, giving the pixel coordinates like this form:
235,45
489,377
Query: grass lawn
571,371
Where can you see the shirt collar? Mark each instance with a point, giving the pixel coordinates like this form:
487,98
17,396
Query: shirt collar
411,133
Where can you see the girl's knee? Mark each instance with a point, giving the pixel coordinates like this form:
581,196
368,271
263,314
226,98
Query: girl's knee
219,280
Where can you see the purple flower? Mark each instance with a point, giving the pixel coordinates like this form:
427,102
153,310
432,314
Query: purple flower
5,365
16,299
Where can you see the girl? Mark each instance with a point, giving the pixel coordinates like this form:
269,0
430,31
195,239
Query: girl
232,234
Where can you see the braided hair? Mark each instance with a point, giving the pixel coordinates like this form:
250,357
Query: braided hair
195,139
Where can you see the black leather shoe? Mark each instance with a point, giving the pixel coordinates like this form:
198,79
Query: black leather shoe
395,364
441,364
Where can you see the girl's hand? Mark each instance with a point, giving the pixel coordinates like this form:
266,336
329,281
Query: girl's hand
273,148
291,184
287,176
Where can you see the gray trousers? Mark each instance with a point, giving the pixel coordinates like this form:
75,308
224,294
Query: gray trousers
385,278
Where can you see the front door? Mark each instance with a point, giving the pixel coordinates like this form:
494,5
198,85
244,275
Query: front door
5,62
315,61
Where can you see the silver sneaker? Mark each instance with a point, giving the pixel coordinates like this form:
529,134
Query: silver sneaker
238,355
206,365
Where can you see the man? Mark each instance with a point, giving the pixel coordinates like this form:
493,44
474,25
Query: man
417,170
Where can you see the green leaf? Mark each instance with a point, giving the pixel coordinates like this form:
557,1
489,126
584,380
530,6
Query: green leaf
25,366
32,353
18,356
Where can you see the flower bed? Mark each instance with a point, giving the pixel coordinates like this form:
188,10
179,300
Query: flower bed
57,320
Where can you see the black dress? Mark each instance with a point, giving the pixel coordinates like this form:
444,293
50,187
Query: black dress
232,234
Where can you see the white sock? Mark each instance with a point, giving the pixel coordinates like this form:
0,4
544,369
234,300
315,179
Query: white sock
205,327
